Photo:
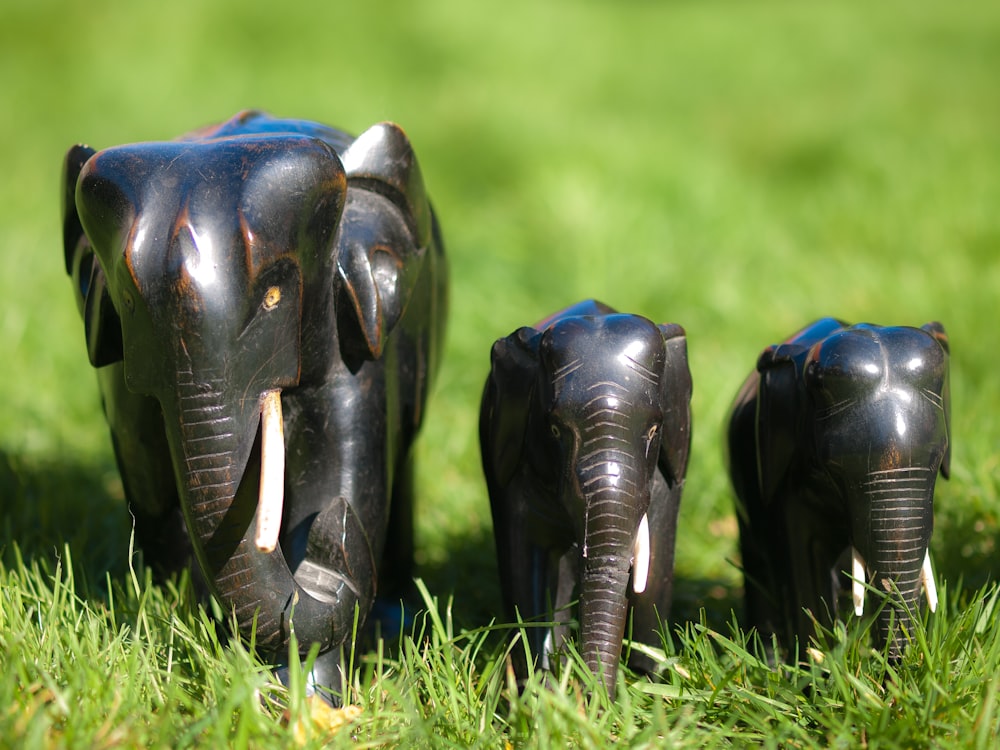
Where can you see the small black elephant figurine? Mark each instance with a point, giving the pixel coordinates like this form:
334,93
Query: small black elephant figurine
585,430
835,442
265,303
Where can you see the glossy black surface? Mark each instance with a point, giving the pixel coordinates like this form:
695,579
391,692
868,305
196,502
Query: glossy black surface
835,442
254,258
585,430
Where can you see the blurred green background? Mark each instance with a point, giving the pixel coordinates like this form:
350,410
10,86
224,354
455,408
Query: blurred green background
740,168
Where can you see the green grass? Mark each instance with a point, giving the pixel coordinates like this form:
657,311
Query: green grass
738,167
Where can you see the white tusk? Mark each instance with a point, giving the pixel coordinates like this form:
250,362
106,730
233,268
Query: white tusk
548,650
927,575
272,472
640,556
858,581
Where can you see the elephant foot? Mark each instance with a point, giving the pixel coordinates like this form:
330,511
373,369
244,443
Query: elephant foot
322,583
164,541
338,557
391,617
324,680
642,664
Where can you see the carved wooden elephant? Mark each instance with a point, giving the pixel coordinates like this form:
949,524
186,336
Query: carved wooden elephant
585,430
835,442
264,301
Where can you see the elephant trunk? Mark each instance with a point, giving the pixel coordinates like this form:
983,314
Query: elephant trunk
217,451
894,547
613,509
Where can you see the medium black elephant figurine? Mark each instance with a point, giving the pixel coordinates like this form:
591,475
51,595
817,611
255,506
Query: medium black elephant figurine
265,303
835,442
585,430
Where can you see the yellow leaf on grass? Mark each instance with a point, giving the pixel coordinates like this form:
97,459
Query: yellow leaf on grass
322,719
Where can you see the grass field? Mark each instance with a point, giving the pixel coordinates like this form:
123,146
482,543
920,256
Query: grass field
740,168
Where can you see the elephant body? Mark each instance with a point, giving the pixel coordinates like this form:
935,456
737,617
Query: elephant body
585,432
264,302
835,442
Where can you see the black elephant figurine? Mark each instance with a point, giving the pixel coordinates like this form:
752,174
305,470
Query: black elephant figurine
585,431
264,301
835,442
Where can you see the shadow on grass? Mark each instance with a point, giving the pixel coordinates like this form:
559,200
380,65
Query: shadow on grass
469,574
718,599
49,504
965,551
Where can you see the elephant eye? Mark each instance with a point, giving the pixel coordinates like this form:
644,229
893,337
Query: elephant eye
272,298
554,430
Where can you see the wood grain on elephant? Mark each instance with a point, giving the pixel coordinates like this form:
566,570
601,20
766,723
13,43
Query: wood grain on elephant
585,430
264,301
835,443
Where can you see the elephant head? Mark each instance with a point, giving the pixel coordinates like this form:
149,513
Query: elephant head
852,428
227,274
585,435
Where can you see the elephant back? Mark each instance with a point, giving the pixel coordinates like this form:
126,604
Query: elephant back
255,122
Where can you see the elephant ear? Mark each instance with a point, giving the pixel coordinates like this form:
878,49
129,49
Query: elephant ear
73,234
937,332
777,408
779,393
379,277
675,440
102,326
507,401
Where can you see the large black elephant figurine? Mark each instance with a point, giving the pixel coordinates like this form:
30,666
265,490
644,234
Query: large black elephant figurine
585,430
264,301
835,442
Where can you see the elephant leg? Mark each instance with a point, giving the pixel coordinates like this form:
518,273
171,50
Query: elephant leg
396,571
140,444
397,595
764,541
339,556
165,543
524,569
818,543
765,590
532,597
333,467
323,680
564,586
